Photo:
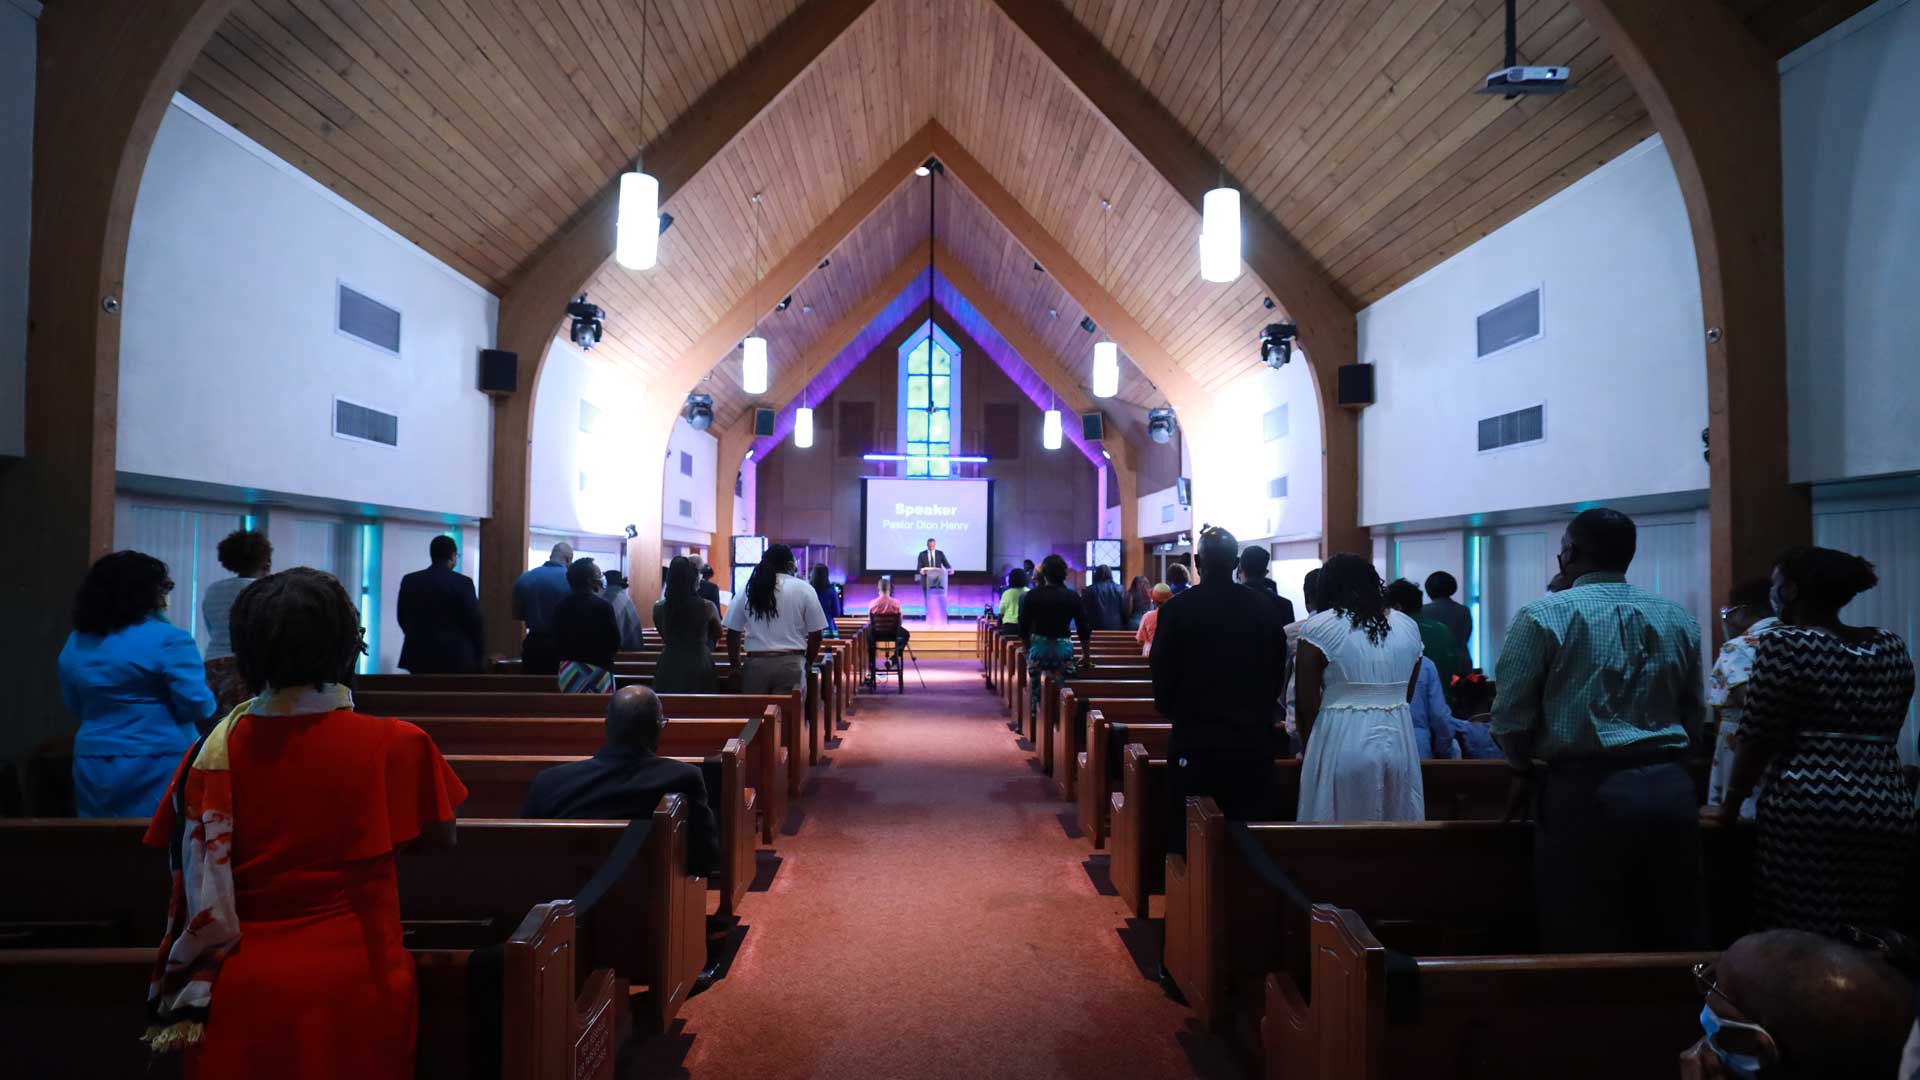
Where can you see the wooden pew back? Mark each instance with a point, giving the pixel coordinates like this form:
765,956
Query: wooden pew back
1063,727
1095,768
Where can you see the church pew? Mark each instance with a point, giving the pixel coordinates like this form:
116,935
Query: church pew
91,882
79,1012
1137,849
1485,1016
626,674
407,705
582,737
1096,769
1459,888
1064,716
497,786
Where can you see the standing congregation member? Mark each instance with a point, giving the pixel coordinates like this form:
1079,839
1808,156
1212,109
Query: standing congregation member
689,628
828,596
1219,661
137,683
1749,613
1032,575
780,623
708,590
586,633
439,613
1359,660
1177,577
1254,564
250,557
1139,601
627,777
1310,592
1010,599
1150,623
1824,705
1450,613
1045,617
1103,601
1432,718
1435,639
284,954
1600,700
931,559
535,595
633,635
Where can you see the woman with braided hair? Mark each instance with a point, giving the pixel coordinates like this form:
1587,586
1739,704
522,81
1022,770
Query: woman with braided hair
283,954
1357,665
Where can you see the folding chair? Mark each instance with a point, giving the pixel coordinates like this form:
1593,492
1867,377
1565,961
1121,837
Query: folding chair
885,628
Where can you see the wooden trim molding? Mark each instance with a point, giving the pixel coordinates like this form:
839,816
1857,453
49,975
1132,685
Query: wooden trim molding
532,310
1329,333
107,70
1713,90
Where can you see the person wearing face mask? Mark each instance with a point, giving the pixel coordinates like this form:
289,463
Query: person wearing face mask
1786,1004
1600,705
1836,822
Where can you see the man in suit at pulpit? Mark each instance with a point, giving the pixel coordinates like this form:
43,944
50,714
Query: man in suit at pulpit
933,570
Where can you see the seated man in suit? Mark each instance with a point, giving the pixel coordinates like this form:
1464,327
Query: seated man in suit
627,778
440,616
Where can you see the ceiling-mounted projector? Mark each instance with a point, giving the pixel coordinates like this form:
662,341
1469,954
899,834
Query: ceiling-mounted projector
1514,81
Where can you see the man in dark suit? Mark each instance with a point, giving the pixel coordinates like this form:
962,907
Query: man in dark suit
1254,563
440,616
931,557
1219,660
627,778
707,590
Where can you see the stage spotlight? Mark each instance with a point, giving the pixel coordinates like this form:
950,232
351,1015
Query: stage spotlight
1088,324
1160,425
699,411
1276,344
785,303
588,322
1037,268
632,531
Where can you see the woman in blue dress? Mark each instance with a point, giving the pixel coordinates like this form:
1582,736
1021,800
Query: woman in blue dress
137,684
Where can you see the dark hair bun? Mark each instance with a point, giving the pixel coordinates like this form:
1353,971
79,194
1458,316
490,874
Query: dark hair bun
1826,578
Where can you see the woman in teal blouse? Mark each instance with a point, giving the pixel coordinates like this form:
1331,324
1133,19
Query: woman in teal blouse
137,684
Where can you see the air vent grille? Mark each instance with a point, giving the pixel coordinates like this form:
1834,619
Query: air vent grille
686,508
589,417
1277,488
369,320
1166,514
1275,424
686,463
352,421
1511,323
1512,429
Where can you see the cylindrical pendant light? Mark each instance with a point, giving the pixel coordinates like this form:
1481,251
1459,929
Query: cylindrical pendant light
753,365
1220,209
803,427
1050,430
636,230
1106,355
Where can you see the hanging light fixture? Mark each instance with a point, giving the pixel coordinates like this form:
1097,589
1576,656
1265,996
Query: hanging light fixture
1050,427
803,427
1220,208
636,230
753,351
1106,355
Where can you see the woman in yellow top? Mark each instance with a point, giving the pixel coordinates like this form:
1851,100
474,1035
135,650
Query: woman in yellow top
1010,600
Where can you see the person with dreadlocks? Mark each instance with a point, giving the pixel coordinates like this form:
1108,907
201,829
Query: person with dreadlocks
781,624
1358,663
283,954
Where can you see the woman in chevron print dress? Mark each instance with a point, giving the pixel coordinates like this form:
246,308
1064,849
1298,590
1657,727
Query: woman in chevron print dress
1836,821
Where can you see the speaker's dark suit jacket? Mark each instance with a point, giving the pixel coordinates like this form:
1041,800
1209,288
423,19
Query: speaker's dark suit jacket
938,554
440,615
621,784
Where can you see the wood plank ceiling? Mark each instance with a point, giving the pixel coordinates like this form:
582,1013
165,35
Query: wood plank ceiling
476,128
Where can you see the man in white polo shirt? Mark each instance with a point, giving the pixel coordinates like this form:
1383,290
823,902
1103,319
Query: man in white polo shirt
779,617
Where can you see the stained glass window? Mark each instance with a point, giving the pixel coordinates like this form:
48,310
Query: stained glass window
930,364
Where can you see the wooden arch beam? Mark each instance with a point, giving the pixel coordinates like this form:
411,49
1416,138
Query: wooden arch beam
107,71
1714,92
532,310
1329,333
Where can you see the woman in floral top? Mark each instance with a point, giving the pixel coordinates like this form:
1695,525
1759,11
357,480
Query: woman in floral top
1749,612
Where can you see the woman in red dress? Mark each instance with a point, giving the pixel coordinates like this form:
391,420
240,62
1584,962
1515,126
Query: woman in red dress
284,954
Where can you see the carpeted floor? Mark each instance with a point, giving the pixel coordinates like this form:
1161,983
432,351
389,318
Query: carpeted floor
932,918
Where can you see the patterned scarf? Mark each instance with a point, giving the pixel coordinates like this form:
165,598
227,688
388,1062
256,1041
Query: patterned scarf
203,922
579,678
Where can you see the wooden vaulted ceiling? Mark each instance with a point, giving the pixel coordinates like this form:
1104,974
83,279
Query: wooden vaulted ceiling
478,128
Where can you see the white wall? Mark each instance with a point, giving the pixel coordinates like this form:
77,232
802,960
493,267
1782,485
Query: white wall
1155,518
1620,364
698,488
611,458
229,360
1231,489
18,26
745,504
1850,118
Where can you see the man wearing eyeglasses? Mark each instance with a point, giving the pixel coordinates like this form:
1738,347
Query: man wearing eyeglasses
1790,1004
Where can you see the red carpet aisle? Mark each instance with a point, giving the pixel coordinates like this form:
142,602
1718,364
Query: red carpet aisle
932,919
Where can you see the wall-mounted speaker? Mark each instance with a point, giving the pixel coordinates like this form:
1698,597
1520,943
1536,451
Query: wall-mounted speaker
1356,385
499,372
1093,426
1183,490
763,422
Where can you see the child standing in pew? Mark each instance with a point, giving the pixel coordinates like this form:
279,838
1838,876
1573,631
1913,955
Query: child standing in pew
283,955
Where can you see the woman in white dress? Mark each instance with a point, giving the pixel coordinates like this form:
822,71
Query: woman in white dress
1357,663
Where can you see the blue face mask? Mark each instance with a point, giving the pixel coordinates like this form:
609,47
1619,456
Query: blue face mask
1738,1064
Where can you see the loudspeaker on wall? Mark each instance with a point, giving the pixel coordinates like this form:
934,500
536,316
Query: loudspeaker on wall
763,422
1356,385
499,372
1093,426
